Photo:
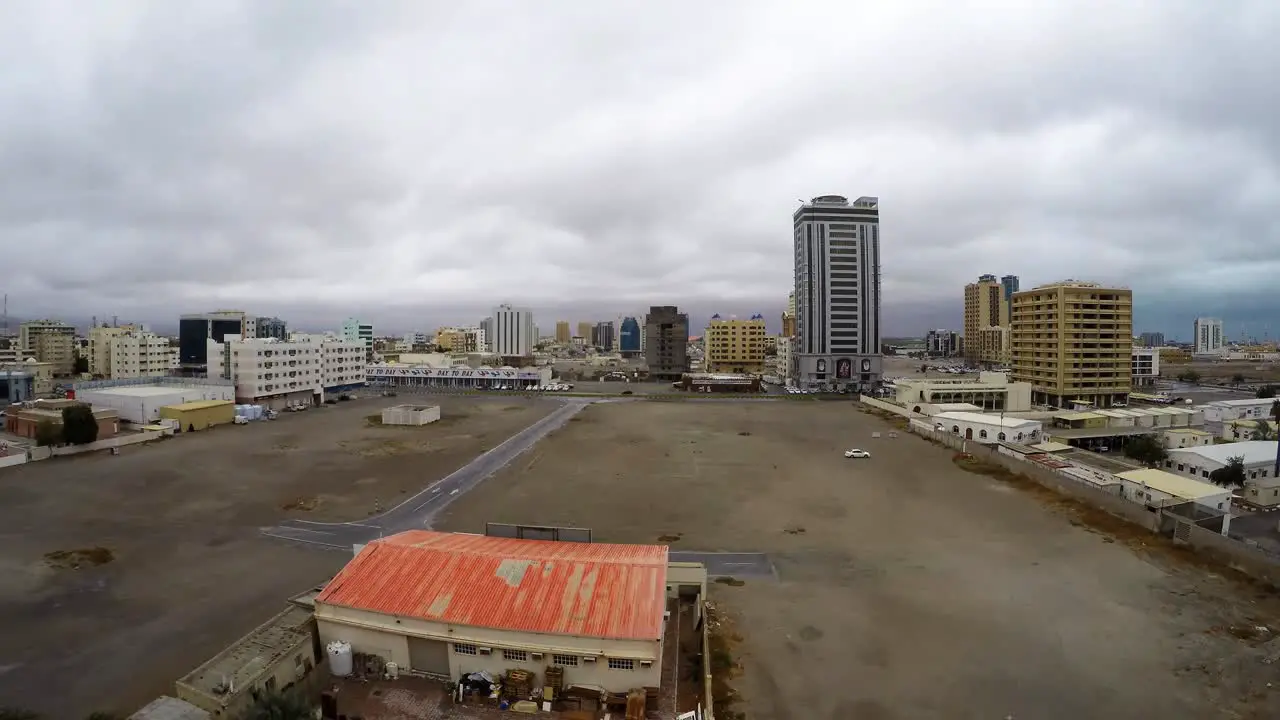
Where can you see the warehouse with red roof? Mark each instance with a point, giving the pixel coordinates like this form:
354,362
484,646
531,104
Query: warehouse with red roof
448,604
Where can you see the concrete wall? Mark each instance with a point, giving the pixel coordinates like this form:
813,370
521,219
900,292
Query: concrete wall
11,460
386,636
1232,553
887,406
120,441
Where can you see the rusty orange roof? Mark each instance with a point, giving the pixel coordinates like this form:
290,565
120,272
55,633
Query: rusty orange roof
566,588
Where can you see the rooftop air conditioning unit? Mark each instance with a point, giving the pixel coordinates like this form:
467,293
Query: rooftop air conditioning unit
589,658
646,663
535,655
485,651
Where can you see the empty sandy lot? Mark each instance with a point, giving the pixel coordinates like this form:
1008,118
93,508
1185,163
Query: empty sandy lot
181,518
907,588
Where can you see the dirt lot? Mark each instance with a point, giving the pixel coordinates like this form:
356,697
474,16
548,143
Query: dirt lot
907,588
119,574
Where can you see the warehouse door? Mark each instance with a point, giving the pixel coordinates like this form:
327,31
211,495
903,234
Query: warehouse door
429,656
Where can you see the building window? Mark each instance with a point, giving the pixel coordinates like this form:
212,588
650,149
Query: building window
464,649
621,664
515,655
565,660
982,434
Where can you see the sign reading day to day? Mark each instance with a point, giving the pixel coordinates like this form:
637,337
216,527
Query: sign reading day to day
460,373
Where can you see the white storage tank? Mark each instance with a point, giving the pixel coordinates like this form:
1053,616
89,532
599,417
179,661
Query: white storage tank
339,658
257,412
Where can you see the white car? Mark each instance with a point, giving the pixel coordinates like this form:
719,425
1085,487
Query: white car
856,453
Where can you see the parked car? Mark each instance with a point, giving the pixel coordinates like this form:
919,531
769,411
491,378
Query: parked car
856,453
240,420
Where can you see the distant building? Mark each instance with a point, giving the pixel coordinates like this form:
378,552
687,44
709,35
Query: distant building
986,305
836,247
25,421
629,337
196,330
513,333
128,351
486,333
139,401
50,341
562,332
272,327
1010,284
275,374
602,336
1046,352
667,352
1151,339
735,345
942,343
584,331
789,316
1208,336
354,330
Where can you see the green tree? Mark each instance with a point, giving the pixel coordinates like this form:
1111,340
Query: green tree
1263,431
79,426
1237,379
82,365
1146,449
276,706
46,434
1189,376
1230,475
1267,391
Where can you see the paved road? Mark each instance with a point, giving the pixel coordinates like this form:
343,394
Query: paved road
418,511
727,564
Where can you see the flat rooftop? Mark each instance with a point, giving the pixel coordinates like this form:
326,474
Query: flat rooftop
136,390
1175,485
243,662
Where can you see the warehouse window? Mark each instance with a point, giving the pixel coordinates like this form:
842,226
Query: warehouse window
621,664
464,649
515,655
566,660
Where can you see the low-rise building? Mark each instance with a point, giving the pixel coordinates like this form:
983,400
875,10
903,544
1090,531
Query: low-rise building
1146,366
1185,437
1220,412
1258,456
273,657
140,401
200,414
1160,489
170,708
446,605
989,429
1235,430
275,374
991,391
24,419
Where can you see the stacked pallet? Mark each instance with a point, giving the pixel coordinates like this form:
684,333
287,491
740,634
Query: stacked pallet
519,683
555,679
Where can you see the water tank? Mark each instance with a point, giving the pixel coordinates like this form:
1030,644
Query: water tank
339,658
393,670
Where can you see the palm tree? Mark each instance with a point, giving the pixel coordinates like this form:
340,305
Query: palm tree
275,706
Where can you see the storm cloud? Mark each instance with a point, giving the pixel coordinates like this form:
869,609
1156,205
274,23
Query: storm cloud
415,162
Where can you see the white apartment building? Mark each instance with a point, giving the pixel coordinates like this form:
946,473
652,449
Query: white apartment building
782,361
513,333
129,351
837,288
1258,456
269,372
1146,366
1219,413
354,330
1208,336
342,362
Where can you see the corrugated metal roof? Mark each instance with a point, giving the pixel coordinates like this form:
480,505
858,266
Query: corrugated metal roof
566,588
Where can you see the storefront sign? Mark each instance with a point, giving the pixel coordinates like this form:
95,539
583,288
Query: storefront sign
375,372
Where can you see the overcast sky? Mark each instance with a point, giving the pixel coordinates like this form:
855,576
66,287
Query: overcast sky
417,162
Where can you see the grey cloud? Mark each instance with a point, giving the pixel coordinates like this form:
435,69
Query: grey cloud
416,163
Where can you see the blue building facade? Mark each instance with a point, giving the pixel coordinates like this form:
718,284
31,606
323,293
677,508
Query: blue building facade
629,336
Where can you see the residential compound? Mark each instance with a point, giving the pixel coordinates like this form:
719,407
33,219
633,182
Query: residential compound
1073,341
1208,336
736,345
128,351
986,319
666,342
269,372
837,290
49,341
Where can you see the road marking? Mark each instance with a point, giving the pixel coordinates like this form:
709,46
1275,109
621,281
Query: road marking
453,492
305,541
315,532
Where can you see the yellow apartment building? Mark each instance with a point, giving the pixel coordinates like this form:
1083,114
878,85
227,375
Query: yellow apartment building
50,341
1073,341
562,332
985,306
584,331
457,340
734,345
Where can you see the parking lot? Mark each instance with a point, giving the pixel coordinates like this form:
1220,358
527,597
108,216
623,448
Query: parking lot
121,573
903,586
